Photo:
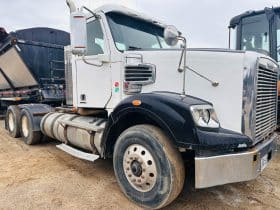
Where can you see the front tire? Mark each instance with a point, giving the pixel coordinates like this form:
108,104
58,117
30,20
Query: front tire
148,167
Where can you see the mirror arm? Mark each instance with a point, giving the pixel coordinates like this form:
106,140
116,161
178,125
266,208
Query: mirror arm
91,12
183,58
185,67
213,83
182,54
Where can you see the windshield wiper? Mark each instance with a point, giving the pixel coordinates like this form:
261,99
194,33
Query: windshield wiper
134,48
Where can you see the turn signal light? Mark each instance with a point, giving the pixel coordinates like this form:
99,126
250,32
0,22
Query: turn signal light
136,102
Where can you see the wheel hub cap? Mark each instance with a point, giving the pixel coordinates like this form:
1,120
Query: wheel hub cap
136,168
140,168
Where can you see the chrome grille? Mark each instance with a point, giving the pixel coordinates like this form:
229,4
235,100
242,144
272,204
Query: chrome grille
266,102
143,74
278,112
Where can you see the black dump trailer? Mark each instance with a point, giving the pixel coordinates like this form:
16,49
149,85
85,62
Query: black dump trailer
32,66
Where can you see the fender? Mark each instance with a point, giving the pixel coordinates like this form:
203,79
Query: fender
169,111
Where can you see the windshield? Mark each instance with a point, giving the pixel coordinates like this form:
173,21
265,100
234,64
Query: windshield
255,34
134,34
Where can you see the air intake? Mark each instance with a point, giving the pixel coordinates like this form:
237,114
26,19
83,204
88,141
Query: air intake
142,74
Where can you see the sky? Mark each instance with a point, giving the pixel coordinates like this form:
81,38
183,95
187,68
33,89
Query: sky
203,22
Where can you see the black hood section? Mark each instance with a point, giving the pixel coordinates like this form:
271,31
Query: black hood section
186,99
171,111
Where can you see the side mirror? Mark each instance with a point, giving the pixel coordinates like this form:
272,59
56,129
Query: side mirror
78,33
171,35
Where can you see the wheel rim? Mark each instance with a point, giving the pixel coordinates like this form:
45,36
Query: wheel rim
25,126
140,168
11,121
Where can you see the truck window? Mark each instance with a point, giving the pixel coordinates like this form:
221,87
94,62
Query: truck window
95,38
255,34
130,33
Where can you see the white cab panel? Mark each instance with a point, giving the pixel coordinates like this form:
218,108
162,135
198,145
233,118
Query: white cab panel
226,68
226,98
167,76
93,83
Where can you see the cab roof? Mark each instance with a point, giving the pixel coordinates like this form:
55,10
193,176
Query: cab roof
237,19
127,11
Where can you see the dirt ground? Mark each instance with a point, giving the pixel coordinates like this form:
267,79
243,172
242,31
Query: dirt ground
42,177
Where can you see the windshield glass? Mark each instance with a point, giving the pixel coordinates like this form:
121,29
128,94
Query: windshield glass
255,34
134,34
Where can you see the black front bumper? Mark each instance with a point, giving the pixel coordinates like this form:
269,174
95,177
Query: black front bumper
222,140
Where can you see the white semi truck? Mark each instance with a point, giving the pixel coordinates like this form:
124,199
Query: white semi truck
150,107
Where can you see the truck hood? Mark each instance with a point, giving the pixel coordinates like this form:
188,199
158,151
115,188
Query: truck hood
223,66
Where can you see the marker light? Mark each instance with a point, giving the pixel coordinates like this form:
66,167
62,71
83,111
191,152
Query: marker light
136,102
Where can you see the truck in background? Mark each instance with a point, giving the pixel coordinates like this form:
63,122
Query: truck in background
140,97
32,66
258,31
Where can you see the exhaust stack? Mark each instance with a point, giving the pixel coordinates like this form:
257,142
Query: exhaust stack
71,6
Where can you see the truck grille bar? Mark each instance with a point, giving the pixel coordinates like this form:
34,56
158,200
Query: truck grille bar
266,102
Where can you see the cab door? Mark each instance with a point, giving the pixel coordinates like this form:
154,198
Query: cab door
93,72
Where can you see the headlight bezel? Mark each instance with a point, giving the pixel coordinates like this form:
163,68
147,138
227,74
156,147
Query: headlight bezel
199,116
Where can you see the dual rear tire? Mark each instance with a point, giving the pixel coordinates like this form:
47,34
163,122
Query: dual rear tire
12,121
28,134
19,123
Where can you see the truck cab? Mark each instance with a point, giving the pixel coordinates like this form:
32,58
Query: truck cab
138,95
257,31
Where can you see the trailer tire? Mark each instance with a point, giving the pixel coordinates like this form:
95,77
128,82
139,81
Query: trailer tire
12,121
28,134
148,168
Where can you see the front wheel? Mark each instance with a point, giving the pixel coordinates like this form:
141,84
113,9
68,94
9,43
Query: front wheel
148,168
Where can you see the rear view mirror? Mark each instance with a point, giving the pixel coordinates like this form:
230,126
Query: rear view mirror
171,35
78,33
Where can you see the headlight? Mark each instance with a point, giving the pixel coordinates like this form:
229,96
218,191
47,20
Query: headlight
205,116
